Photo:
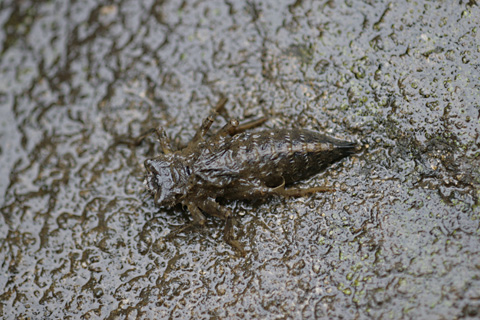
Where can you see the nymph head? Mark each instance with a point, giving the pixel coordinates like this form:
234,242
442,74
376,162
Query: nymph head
163,180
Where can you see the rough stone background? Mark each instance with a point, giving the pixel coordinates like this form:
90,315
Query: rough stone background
81,238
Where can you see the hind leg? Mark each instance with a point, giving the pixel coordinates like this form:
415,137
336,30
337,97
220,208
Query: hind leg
258,191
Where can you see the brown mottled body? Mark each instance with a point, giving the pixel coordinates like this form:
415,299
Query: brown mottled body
246,165
233,164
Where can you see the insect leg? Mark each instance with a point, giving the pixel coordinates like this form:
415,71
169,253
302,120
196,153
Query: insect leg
207,123
228,129
249,125
220,104
162,137
198,220
230,238
197,215
232,127
258,192
298,192
135,142
213,208
203,129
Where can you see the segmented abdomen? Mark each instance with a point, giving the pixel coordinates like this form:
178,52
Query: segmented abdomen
274,156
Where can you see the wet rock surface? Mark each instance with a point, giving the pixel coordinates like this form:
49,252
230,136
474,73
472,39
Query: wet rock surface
80,236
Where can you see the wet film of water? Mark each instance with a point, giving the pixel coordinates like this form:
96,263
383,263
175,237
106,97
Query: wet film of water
81,238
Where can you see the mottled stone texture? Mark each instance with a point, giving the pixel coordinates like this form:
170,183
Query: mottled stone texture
81,238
